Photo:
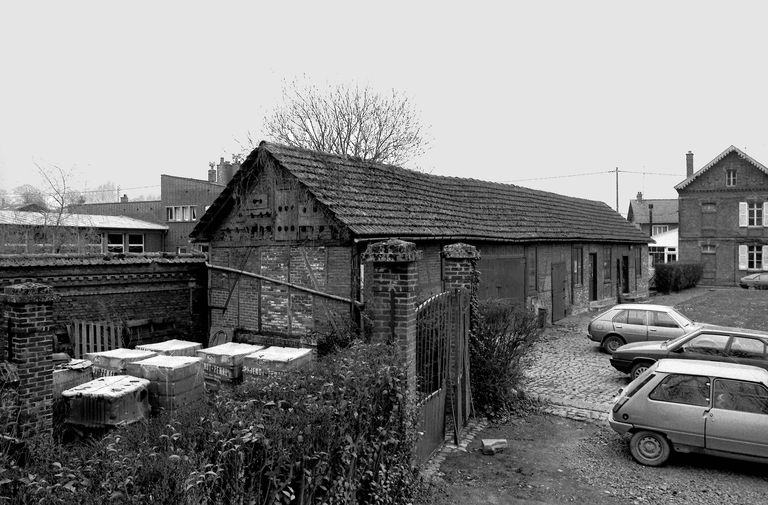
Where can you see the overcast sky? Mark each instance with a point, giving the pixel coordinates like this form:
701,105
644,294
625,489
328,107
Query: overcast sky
511,91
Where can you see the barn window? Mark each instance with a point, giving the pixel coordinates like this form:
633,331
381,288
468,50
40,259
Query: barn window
577,255
607,263
730,177
135,243
115,242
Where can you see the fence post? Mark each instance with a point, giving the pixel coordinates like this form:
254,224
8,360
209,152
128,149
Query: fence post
29,312
392,306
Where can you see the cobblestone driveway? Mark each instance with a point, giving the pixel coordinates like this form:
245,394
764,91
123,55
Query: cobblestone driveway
571,374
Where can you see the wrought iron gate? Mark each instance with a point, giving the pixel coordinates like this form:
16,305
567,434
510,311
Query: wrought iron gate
442,368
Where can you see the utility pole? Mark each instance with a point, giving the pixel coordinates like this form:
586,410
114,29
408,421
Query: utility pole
617,190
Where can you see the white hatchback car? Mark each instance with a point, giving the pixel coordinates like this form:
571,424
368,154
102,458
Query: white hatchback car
695,406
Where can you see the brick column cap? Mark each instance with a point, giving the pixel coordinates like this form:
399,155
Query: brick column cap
460,251
392,251
29,292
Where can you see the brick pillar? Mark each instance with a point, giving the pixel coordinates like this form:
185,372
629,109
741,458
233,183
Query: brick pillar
29,312
392,303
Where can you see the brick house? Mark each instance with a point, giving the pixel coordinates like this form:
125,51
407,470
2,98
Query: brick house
723,210
182,201
659,219
304,218
48,233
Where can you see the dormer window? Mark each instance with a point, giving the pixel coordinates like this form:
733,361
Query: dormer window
730,177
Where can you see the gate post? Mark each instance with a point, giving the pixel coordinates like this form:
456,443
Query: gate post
29,312
460,271
392,306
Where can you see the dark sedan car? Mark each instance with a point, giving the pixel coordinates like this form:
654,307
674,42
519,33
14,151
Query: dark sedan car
754,281
712,343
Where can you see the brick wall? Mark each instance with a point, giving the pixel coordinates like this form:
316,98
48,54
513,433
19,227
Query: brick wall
167,292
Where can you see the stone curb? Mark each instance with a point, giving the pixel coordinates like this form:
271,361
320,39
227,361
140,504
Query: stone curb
430,471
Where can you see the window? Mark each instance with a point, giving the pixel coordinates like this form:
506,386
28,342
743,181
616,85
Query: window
659,228
181,250
181,213
663,320
709,207
657,254
740,396
686,389
630,317
707,343
754,214
707,248
754,257
671,254
135,243
730,177
115,242
607,263
745,347
577,256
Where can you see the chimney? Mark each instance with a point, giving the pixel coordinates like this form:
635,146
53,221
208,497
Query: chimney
211,172
639,196
688,164
124,199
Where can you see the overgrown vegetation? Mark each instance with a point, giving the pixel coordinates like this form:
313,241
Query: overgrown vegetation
502,334
677,276
337,433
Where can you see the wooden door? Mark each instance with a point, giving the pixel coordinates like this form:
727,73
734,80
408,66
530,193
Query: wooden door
558,291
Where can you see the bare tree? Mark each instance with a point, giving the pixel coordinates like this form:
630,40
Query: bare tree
26,194
351,121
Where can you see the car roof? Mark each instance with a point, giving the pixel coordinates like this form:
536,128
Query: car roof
647,306
731,330
713,369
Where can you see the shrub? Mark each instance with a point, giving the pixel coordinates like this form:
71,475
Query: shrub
338,433
502,334
677,276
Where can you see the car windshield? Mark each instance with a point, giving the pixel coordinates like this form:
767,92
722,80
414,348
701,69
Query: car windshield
673,341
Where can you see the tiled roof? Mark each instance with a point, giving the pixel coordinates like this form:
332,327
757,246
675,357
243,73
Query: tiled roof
664,211
14,217
53,260
376,200
718,158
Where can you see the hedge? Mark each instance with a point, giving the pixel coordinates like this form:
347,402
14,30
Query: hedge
677,276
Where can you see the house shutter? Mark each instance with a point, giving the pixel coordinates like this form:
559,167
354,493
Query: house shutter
765,258
765,213
742,257
742,215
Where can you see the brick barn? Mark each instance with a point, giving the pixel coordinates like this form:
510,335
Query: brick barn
304,218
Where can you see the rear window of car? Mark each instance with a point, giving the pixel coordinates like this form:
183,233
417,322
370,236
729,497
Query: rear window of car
663,320
741,396
745,347
681,388
630,316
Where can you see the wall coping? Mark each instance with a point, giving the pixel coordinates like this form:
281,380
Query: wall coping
392,251
460,250
29,292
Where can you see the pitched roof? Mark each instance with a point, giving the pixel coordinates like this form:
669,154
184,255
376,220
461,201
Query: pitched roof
664,211
58,260
14,217
376,200
718,158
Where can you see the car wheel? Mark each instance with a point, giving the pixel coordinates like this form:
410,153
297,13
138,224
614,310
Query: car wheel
649,448
612,342
639,368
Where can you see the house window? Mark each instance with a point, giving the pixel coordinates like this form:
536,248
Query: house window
707,249
656,254
577,255
607,263
671,254
659,228
169,213
93,242
135,243
754,257
193,213
115,242
181,250
754,214
181,213
709,207
730,177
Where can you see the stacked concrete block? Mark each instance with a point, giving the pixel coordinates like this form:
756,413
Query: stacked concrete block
70,374
114,362
172,348
224,363
275,360
174,381
108,401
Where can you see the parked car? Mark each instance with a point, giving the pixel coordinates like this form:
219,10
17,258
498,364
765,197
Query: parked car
636,322
694,406
754,281
706,342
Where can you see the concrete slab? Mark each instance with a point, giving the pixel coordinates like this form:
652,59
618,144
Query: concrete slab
229,354
116,360
275,359
108,401
167,368
173,348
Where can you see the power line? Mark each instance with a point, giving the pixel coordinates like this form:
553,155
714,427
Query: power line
591,173
94,190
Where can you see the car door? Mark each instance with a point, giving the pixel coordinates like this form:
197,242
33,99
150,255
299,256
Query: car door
738,419
632,325
661,326
676,407
706,346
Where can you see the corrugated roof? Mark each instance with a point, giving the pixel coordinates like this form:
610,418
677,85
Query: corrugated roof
664,211
14,217
377,200
718,158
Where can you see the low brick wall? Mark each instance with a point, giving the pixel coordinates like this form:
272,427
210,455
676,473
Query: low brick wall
154,293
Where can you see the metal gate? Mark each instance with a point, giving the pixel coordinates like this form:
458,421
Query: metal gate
442,368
